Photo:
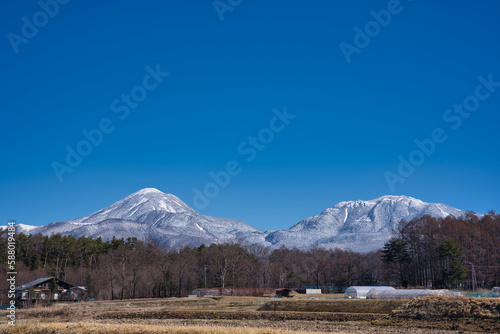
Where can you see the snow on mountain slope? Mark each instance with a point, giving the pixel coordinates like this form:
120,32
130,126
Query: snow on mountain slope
24,227
139,207
358,225
151,213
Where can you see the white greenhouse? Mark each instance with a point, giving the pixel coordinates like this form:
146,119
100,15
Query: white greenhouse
360,292
410,293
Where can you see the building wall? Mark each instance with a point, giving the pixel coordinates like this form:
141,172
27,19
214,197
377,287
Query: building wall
313,291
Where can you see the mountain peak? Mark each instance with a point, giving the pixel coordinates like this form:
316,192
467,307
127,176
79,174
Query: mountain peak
146,191
152,199
380,199
152,213
395,198
139,206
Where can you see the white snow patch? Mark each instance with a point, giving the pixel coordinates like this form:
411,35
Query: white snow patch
26,227
445,214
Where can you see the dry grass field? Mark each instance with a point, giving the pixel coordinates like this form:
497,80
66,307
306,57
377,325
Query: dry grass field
254,315
360,306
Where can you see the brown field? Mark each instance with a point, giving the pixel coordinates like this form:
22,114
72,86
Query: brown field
343,305
254,315
433,308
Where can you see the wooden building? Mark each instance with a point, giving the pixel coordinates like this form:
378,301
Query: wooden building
46,290
283,292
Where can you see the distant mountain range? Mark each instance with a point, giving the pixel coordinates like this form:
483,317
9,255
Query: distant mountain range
358,225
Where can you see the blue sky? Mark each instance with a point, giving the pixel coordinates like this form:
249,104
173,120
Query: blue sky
353,116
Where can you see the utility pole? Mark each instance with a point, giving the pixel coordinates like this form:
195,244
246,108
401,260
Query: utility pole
474,278
205,272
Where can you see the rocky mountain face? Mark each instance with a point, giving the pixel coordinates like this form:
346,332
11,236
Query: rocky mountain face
358,225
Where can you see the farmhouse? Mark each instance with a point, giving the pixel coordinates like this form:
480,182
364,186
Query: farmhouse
47,290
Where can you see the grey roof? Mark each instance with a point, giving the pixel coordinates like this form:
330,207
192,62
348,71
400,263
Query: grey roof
35,282
38,281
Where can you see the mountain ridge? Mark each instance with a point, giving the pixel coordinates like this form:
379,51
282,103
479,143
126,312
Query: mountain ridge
363,225
149,213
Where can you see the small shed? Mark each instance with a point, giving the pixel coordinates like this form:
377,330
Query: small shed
313,291
283,292
77,293
360,292
308,291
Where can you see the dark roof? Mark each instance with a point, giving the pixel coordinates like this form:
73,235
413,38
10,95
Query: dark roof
39,281
283,289
35,282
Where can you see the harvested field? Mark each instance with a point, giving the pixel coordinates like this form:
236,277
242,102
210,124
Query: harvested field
235,315
461,314
242,315
95,328
344,306
433,308
243,328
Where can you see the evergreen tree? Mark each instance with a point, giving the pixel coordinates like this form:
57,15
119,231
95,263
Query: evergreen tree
451,255
395,251
53,285
89,285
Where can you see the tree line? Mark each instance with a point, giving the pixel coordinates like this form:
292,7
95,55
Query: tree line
425,252
446,252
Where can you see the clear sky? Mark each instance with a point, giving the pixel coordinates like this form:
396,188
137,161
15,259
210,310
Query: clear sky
359,81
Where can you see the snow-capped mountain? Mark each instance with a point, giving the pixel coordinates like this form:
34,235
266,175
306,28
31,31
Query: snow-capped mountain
149,213
358,225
